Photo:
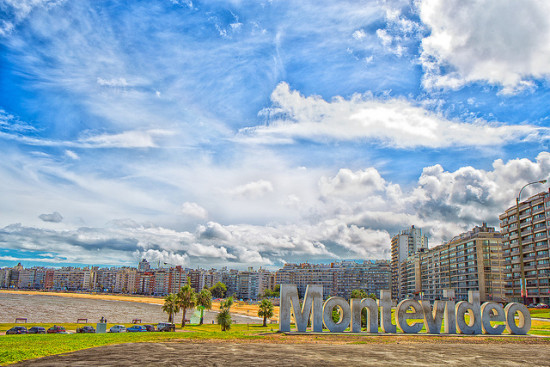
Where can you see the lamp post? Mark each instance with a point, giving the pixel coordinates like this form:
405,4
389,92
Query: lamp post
523,282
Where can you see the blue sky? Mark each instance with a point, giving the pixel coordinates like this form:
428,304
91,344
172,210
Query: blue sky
241,133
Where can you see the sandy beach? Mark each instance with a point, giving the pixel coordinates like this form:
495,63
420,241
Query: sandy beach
68,307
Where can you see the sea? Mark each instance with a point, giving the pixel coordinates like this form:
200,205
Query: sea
39,308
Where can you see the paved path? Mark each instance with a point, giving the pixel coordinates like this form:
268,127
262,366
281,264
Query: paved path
256,354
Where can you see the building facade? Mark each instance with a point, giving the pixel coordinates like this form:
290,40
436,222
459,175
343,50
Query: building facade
338,279
526,255
403,245
471,261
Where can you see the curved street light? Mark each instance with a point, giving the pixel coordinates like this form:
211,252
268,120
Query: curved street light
523,282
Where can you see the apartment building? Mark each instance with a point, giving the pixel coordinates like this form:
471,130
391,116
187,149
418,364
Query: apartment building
403,245
526,255
473,260
338,279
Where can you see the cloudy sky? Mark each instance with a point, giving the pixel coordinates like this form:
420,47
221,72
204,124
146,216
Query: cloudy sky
237,133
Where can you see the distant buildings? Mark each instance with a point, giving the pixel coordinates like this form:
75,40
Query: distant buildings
338,279
526,256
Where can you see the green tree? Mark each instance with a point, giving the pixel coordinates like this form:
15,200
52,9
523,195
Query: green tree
268,293
265,310
224,317
204,300
218,290
186,299
358,293
171,306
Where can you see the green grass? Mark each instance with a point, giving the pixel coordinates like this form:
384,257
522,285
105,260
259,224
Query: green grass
16,348
540,313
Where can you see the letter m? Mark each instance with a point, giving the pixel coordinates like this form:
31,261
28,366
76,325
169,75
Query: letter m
313,298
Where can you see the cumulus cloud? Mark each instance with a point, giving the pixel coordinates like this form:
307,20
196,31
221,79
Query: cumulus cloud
55,217
502,42
354,217
194,210
394,122
253,190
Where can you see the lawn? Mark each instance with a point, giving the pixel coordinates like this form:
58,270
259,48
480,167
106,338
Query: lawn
15,348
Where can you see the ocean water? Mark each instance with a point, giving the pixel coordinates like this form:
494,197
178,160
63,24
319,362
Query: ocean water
55,309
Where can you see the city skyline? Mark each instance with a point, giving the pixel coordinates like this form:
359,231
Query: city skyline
238,134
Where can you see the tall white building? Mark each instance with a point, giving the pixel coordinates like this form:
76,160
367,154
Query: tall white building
405,244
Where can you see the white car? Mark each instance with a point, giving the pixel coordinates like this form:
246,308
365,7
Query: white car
117,329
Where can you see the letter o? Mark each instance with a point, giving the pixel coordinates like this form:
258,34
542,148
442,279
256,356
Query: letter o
327,314
524,319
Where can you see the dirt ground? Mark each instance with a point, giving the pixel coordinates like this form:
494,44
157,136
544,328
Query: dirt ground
321,354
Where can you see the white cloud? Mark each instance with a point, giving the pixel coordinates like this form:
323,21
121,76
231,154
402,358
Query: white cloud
194,210
348,183
502,42
200,250
71,154
359,34
253,190
17,10
113,82
394,122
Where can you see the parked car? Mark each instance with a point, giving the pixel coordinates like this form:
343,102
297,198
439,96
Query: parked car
137,329
542,305
86,329
118,329
17,330
166,326
57,330
150,327
532,305
37,330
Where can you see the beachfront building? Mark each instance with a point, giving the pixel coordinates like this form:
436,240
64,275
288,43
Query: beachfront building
72,279
407,243
471,261
526,256
338,279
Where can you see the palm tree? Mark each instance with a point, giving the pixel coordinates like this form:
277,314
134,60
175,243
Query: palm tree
171,306
224,317
266,310
204,300
186,299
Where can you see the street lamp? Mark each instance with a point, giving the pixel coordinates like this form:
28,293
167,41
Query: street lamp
523,282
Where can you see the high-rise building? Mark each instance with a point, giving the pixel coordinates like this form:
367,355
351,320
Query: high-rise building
526,257
403,245
471,261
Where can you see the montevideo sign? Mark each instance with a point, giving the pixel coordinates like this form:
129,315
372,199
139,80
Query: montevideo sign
487,318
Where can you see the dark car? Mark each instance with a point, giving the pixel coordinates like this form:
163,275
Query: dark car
37,330
137,329
165,326
150,327
57,330
17,330
86,329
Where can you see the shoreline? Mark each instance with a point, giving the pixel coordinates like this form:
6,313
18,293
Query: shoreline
241,308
